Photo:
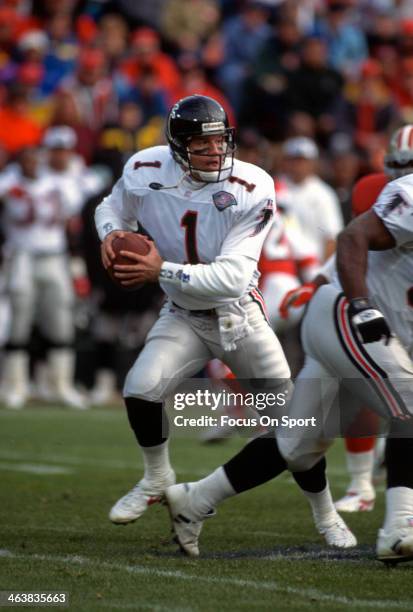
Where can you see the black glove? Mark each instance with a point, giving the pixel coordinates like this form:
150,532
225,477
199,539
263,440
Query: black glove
368,321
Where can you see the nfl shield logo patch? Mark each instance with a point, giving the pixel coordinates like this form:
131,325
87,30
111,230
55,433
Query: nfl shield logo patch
223,199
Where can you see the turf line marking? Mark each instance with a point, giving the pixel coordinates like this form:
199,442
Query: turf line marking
35,468
115,464
98,463
35,528
117,605
274,534
315,594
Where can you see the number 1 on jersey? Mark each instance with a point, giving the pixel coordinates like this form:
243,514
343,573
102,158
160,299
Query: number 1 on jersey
189,221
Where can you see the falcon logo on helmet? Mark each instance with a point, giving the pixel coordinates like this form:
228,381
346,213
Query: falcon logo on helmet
200,116
399,159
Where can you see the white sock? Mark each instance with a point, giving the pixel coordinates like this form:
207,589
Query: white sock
210,491
399,506
360,467
156,462
322,507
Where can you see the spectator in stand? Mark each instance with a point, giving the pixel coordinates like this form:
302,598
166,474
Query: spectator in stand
346,43
301,124
146,55
65,112
368,110
149,95
60,61
315,88
30,76
242,36
382,33
12,25
312,201
140,12
118,141
113,38
17,128
33,46
404,89
32,49
187,24
252,148
91,89
406,38
265,101
194,79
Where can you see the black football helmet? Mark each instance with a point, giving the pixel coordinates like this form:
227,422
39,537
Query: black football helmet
200,116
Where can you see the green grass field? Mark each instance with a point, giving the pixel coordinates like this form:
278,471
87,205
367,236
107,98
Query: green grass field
61,471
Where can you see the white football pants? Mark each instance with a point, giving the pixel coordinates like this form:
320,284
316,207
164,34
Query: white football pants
372,374
180,344
40,289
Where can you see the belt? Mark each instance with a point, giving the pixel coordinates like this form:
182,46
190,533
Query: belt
210,312
41,254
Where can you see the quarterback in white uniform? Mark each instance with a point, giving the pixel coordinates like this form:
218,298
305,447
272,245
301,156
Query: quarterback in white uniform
208,216
349,342
35,209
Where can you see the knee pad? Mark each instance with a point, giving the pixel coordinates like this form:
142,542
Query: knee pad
295,459
145,385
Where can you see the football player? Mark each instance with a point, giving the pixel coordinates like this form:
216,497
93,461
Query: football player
362,453
36,207
365,348
313,202
208,215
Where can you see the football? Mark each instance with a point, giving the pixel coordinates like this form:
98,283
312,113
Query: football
135,243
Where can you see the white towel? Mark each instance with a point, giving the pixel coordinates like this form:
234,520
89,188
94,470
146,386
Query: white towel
233,325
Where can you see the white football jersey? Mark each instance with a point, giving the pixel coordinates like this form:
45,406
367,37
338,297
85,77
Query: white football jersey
390,272
85,181
192,223
35,211
317,209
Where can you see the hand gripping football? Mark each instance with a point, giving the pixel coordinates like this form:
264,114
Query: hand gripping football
135,243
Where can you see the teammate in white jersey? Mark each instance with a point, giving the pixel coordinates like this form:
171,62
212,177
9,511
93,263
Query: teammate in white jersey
208,215
349,345
313,202
36,207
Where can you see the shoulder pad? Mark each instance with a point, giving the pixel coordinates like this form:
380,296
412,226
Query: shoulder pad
151,165
251,182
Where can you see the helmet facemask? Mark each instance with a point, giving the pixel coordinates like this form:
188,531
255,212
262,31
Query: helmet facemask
399,160
183,155
397,164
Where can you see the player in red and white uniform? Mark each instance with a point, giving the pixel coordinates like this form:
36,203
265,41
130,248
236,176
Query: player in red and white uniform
362,453
35,209
287,259
312,201
66,167
365,348
208,215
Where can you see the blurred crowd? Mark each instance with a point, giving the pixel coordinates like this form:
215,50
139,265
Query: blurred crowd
314,87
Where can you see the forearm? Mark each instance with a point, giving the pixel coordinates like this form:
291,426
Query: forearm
108,219
329,249
225,277
352,257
